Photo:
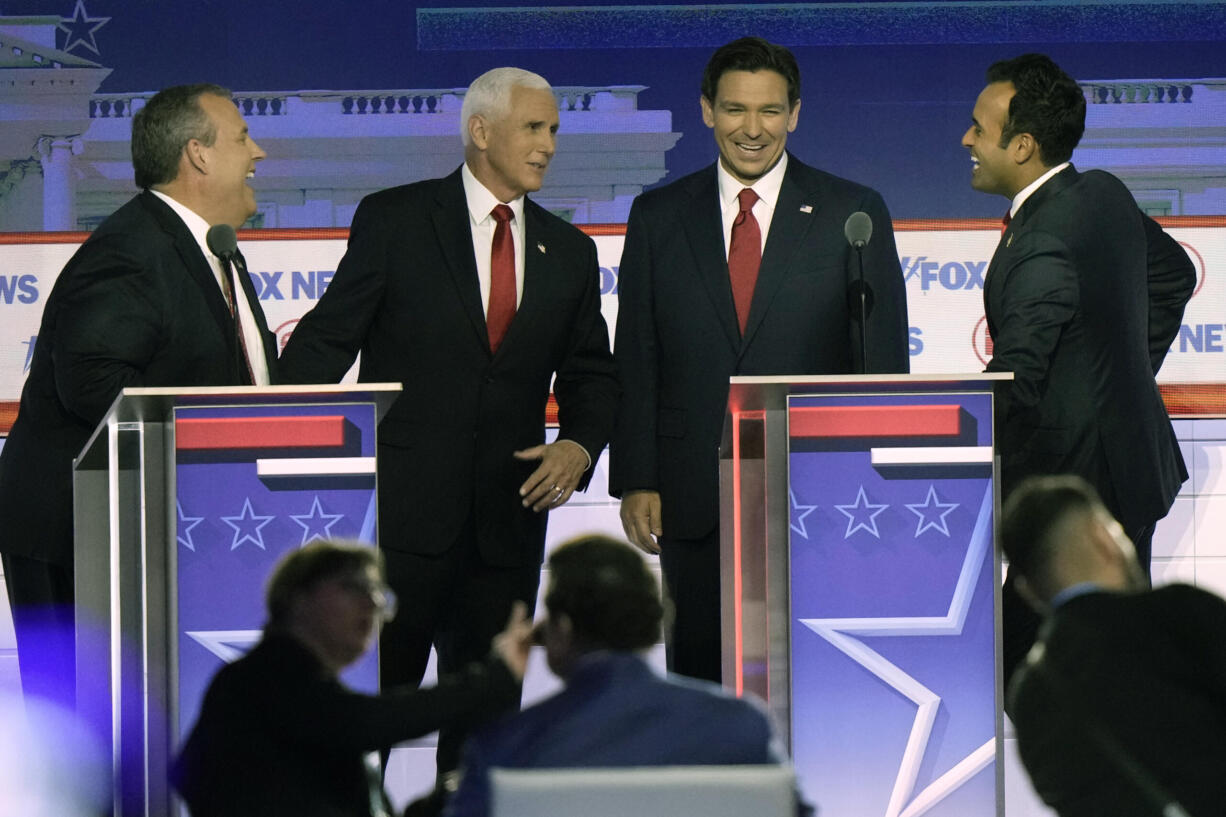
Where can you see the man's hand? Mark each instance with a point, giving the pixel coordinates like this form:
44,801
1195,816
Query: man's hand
641,519
514,642
551,484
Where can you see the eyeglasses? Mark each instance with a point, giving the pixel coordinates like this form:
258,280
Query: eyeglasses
379,593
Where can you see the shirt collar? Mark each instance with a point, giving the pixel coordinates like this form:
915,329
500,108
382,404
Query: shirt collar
1029,189
1073,591
481,201
196,225
767,186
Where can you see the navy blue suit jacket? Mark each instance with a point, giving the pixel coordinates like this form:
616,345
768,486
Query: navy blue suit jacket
616,711
1083,298
406,295
137,305
678,340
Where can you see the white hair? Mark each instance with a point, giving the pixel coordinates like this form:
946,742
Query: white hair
490,95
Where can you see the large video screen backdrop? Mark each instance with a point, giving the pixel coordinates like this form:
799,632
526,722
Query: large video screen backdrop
348,97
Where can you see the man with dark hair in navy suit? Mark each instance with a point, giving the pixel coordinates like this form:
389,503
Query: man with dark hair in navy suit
604,610
739,269
1083,296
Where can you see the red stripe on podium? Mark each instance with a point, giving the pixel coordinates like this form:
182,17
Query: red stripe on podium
218,433
874,421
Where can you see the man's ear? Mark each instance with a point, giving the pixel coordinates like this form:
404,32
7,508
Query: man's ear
197,156
1026,592
1024,148
708,111
478,131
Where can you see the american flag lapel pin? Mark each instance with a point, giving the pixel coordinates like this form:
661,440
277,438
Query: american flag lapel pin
806,208
540,247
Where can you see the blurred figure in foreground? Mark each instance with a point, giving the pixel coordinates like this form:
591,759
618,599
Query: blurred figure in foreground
279,734
1120,708
603,610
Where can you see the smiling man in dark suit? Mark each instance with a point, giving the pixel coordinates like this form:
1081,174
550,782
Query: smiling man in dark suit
1083,297
739,269
473,297
142,303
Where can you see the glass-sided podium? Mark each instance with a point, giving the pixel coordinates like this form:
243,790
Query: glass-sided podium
860,585
184,499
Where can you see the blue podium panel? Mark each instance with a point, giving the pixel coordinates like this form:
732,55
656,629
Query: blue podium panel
892,582
254,482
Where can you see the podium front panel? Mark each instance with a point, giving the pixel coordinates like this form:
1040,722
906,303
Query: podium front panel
253,483
893,585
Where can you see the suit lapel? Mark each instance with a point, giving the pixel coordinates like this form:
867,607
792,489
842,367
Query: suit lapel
1018,224
795,212
451,225
194,262
539,273
703,225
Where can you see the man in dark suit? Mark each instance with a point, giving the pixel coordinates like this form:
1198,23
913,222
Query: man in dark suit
142,303
279,734
738,269
1120,709
1083,297
604,610
473,297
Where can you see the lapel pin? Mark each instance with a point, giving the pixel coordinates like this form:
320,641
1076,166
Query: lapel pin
541,247
806,208
1009,241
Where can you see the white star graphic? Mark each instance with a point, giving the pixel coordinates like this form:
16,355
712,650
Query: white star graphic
80,28
227,645
799,512
186,523
932,513
248,526
316,524
857,519
840,631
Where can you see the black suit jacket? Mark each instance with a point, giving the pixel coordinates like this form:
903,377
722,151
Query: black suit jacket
137,305
278,736
1148,670
406,296
1083,297
677,336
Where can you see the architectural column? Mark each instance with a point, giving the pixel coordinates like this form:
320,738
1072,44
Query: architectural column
59,194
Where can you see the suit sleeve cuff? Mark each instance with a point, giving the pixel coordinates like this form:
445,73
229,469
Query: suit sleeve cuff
585,453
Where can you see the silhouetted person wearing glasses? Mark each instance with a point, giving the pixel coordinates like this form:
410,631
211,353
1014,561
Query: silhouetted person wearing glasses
279,734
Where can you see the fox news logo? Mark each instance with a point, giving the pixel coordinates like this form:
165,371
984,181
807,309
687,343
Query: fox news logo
295,285
22,289
947,275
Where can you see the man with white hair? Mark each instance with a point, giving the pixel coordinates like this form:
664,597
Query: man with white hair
474,298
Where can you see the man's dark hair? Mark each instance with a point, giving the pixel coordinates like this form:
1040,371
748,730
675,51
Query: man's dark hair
162,128
1049,105
607,591
1029,519
752,54
300,570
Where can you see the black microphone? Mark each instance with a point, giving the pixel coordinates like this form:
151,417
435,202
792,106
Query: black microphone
858,229
223,241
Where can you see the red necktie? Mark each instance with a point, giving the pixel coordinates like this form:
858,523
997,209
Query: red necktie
1004,222
744,256
502,278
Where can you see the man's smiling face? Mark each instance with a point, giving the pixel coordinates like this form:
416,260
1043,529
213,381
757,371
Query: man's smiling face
751,118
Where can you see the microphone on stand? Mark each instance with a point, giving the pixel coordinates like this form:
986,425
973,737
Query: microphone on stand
223,241
858,230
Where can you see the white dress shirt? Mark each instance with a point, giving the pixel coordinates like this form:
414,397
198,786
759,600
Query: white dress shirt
253,336
767,188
